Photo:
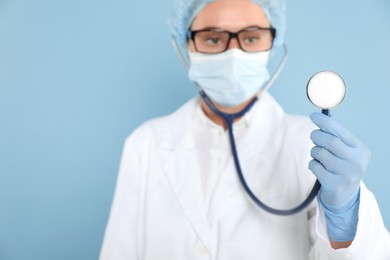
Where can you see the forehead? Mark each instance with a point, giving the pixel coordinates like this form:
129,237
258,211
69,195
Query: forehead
232,15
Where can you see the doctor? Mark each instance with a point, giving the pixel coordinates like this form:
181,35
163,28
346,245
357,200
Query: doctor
178,195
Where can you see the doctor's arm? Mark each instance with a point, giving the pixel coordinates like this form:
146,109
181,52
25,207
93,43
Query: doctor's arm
339,162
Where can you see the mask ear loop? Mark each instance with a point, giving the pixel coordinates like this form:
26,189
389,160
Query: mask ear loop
183,60
277,72
181,56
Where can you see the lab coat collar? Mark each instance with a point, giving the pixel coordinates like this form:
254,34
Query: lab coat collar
258,122
245,121
176,135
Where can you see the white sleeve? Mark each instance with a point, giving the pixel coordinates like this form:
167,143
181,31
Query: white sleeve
121,235
372,240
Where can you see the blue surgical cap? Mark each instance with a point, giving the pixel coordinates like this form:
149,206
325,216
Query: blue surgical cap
186,10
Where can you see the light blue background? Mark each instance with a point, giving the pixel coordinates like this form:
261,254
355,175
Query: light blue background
76,77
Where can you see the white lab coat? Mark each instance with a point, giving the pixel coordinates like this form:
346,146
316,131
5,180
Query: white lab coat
158,212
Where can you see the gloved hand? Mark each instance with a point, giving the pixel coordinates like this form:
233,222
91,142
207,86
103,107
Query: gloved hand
339,162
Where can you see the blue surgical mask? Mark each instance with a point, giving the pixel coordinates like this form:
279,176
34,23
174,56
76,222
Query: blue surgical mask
232,77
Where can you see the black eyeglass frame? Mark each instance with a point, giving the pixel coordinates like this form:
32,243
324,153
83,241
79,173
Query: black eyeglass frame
191,35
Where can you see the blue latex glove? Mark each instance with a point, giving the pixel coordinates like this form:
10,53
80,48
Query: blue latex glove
339,162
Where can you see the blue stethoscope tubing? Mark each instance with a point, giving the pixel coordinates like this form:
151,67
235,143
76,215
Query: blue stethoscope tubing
229,118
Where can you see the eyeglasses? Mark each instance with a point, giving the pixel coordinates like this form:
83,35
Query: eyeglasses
253,39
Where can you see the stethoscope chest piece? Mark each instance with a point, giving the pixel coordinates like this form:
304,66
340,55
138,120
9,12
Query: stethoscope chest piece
326,89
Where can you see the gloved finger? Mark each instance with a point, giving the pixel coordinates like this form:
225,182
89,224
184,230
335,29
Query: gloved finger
331,143
329,125
325,177
328,160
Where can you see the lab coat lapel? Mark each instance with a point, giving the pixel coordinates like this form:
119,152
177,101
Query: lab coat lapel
182,172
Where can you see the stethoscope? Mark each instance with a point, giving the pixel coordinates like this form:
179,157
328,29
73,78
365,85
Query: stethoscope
326,90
